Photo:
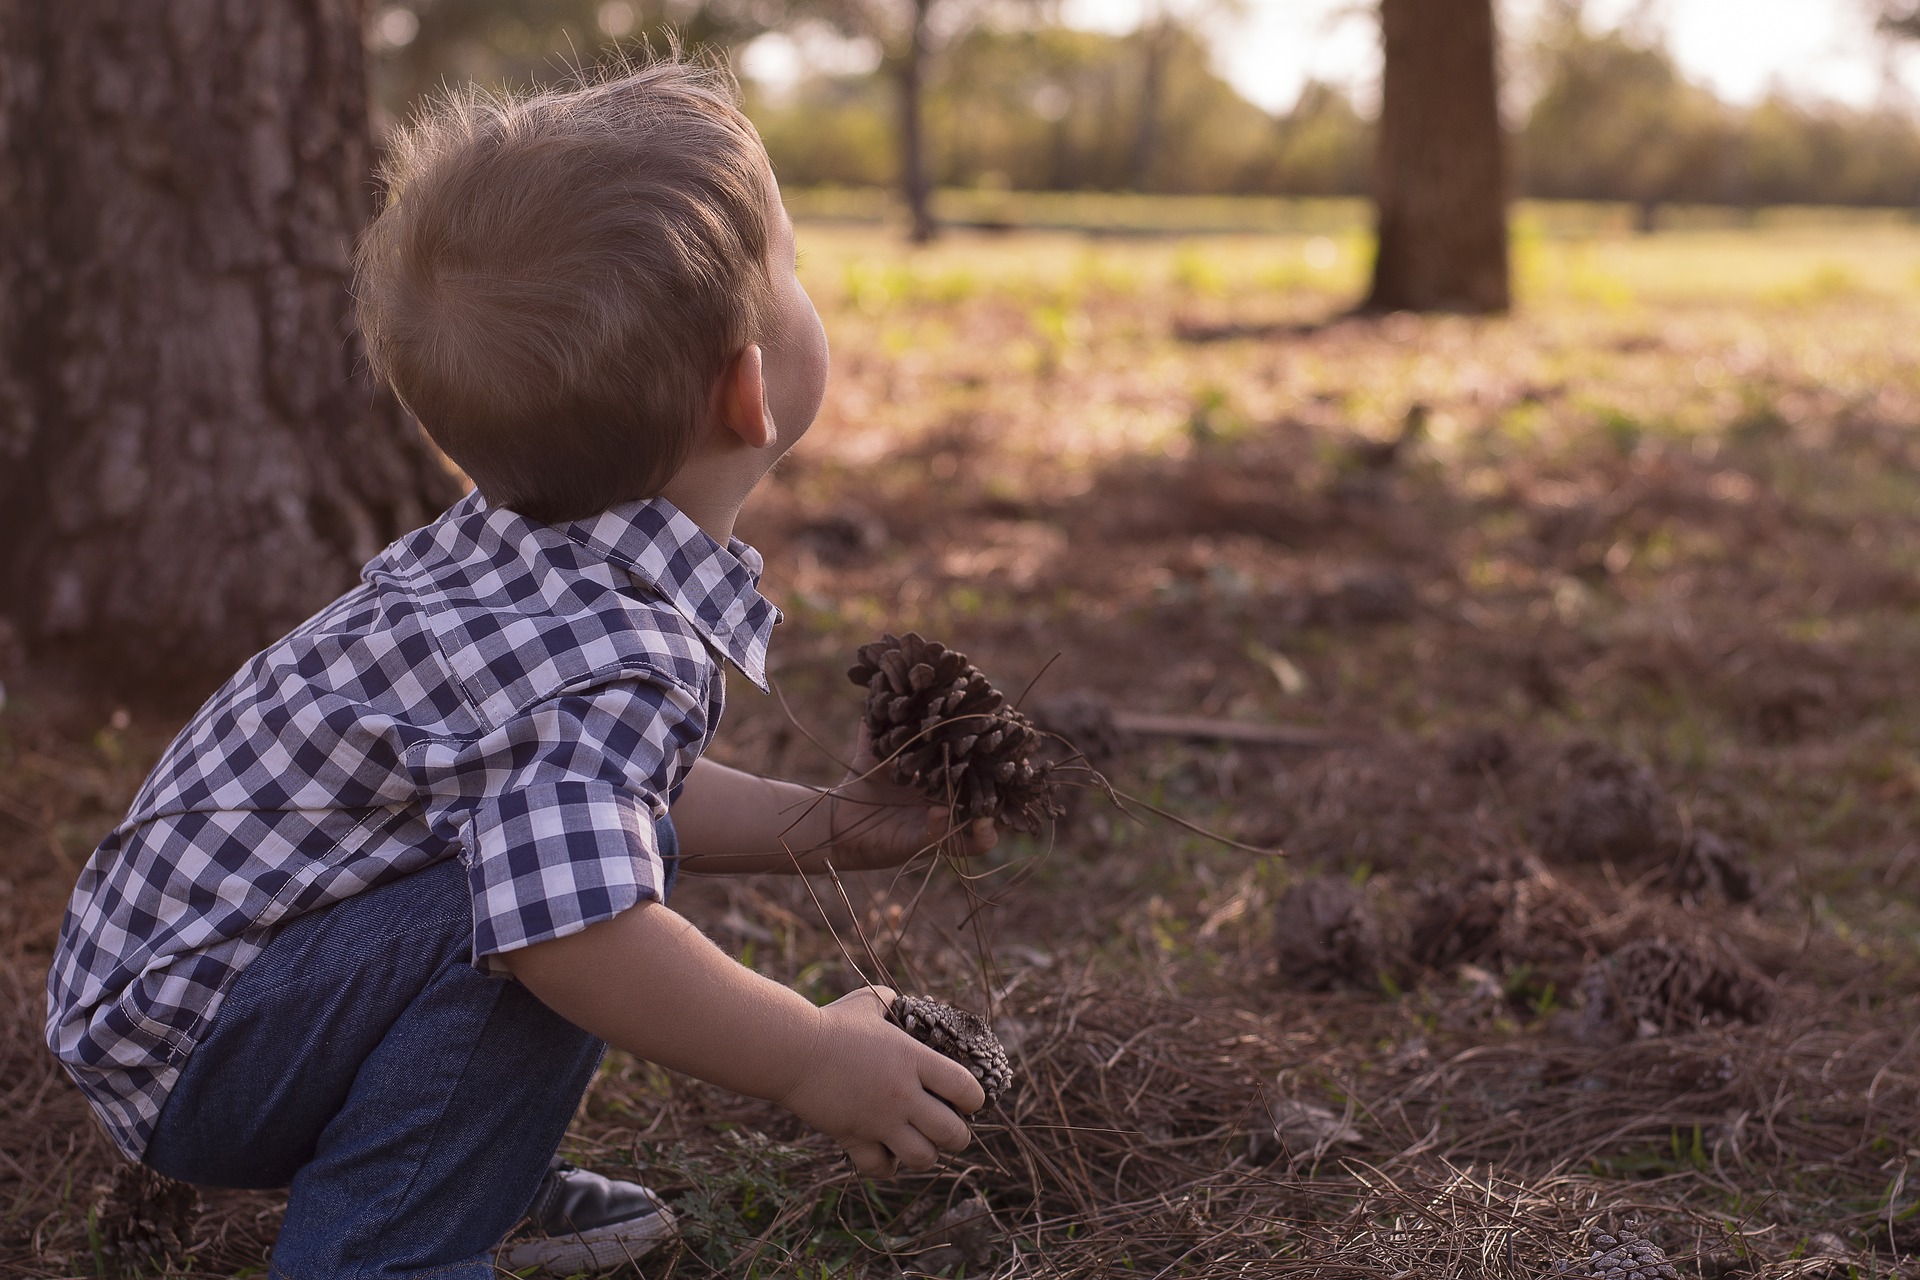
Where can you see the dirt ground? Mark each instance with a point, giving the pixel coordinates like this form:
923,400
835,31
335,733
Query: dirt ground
1581,890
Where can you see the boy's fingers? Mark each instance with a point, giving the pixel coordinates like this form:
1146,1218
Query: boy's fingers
981,834
944,1078
942,1127
913,1150
872,1159
879,998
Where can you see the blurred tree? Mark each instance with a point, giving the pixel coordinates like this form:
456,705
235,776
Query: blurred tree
905,31
1440,183
907,55
1156,39
422,44
191,457
1045,107
518,42
1615,120
1166,30
1323,149
1007,96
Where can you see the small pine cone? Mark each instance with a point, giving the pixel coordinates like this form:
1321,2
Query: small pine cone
1623,1255
943,729
145,1220
964,1037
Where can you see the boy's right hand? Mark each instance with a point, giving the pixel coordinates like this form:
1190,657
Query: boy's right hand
882,1095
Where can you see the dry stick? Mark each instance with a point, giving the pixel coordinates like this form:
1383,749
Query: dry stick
1149,724
1120,800
972,921
854,916
826,919
911,909
1079,1187
938,846
805,732
1044,668
820,797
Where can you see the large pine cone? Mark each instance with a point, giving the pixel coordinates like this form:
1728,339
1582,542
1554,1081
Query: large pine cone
964,1037
1623,1255
945,730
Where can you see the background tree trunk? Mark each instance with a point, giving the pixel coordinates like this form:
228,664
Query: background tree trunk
1155,41
911,75
1440,172
192,457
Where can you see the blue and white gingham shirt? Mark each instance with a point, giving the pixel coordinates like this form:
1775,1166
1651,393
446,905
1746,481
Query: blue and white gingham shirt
523,697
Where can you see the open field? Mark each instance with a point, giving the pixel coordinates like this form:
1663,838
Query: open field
1593,884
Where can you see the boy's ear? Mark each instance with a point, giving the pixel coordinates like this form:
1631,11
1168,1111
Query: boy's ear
743,400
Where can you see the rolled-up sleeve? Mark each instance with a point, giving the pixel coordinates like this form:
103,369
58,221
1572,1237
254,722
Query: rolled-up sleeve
563,835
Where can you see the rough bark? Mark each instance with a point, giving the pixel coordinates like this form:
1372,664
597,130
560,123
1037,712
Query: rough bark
192,457
910,75
1441,178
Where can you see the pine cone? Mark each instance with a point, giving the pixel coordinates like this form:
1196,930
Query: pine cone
1611,809
145,1220
1500,911
945,730
1654,986
1326,934
964,1037
1623,1255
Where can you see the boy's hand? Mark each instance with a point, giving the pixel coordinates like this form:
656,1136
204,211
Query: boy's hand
879,823
649,982
882,1095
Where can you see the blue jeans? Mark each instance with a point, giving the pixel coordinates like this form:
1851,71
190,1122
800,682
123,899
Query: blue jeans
409,1102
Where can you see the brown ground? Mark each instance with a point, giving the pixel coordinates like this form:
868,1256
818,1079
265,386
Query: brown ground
1597,905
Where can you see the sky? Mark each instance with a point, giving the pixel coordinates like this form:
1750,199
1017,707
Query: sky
1740,48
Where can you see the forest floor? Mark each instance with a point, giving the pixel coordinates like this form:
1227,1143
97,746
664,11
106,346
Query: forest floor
1583,892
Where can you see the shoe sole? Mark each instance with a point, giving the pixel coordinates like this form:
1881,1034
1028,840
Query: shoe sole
593,1250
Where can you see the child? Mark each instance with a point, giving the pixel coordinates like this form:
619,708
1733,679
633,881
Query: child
370,920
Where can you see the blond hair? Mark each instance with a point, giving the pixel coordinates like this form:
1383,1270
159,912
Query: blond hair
559,279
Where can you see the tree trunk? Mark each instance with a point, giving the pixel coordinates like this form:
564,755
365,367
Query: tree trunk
1155,40
192,457
910,75
1440,180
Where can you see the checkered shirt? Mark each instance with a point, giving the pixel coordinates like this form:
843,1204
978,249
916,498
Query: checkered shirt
523,697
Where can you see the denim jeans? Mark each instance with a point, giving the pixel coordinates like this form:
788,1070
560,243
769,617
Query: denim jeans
409,1102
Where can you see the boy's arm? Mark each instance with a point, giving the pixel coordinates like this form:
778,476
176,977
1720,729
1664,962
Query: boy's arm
730,822
648,982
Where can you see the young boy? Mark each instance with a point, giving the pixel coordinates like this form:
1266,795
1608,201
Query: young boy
370,920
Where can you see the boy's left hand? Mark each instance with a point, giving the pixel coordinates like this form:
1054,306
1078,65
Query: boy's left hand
879,823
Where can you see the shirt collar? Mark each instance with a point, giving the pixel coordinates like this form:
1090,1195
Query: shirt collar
715,588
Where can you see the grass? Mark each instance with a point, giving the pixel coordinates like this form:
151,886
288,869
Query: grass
1667,508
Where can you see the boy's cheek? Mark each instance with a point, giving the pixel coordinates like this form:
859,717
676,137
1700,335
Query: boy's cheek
801,373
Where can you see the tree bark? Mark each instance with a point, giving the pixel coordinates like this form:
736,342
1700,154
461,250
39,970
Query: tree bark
911,75
1441,178
192,456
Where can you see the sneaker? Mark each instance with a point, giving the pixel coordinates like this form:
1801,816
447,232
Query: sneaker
582,1222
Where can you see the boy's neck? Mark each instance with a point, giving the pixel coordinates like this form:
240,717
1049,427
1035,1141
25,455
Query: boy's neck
710,501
